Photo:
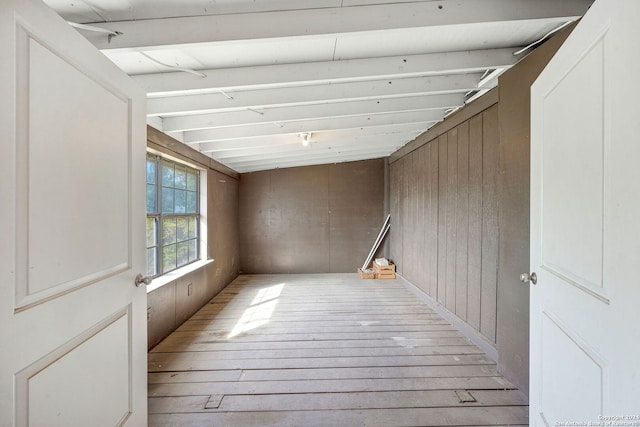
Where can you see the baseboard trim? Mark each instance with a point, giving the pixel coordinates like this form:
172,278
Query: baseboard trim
458,323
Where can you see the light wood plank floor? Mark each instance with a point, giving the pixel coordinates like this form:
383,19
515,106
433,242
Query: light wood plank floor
324,350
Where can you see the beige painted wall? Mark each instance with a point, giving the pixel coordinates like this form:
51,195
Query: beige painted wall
172,304
312,219
513,182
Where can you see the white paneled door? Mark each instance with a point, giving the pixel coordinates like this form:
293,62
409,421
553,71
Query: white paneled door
585,224
72,322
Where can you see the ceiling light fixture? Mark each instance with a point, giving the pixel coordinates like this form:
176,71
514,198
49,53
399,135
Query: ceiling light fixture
306,139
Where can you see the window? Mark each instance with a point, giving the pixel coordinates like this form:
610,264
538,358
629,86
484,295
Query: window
173,215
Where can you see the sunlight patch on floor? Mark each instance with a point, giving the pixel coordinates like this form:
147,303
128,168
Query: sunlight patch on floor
260,311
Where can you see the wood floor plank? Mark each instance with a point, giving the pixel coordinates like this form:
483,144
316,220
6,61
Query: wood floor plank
319,353
173,344
355,335
177,404
324,349
412,372
353,313
306,297
466,416
367,400
374,318
169,362
324,386
332,401
277,330
360,321
373,372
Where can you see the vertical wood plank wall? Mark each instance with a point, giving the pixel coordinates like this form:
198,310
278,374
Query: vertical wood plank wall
444,213
460,212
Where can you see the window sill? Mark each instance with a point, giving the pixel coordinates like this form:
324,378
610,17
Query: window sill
160,281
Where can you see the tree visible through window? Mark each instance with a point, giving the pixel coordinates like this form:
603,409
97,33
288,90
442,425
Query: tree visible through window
173,215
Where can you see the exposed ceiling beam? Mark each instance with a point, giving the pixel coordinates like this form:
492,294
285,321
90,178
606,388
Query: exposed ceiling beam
164,84
119,10
317,94
157,33
309,160
491,79
308,112
199,136
300,153
325,136
275,150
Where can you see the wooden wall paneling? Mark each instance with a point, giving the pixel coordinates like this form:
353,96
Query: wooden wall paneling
490,231
161,313
417,211
409,224
255,236
222,232
409,228
462,221
432,242
462,115
174,302
513,193
395,232
190,295
442,217
422,217
452,177
300,219
397,221
474,246
291,217
402,210
406,217
448,204
356,212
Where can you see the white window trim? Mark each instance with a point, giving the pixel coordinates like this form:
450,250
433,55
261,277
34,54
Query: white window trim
171,276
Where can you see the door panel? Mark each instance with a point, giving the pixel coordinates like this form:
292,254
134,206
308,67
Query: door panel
72,322
585,231
573,174
43,388
572,376
76,176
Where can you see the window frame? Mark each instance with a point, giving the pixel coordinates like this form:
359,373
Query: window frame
193,243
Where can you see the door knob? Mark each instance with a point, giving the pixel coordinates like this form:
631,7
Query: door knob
140,280
526,277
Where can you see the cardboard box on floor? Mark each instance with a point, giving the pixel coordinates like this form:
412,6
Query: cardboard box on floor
384,271
366,274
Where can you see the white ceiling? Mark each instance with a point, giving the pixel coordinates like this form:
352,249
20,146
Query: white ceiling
363,77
